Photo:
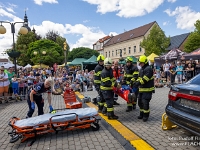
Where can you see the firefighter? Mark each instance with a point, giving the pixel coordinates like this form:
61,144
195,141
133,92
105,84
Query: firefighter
117,75
145,82
97,82
107,83
130,76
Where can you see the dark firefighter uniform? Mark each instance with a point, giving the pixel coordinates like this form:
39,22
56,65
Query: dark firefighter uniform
97,82
145,82
38,89
107,83
130,76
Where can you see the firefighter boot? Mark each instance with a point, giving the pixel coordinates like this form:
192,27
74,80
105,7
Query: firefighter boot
145,117
134,106
100,108
141,115
129,108
112,116
104,111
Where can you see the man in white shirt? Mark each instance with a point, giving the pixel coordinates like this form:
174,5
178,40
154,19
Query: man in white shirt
166,67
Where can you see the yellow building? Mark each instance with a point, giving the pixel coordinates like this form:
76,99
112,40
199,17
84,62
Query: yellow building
127,43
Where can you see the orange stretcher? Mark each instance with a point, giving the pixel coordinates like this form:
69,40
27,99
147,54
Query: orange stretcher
69,119
124,93
70,99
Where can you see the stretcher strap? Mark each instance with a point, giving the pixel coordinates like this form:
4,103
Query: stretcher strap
54,128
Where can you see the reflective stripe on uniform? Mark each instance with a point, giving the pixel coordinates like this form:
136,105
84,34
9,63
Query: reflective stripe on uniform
105,105
105,88
146,78
110,109
100,104
129,75
97,81
146,111
105,79
136,72
141,110
98,73
146,89
129,104
113,79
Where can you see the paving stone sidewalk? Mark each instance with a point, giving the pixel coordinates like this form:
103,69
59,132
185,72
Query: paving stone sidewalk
151,131
68,140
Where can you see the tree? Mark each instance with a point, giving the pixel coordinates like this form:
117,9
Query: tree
54,53
52,35
193,41
156,42
82,52
22,44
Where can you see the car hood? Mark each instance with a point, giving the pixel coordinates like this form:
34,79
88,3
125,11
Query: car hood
191,87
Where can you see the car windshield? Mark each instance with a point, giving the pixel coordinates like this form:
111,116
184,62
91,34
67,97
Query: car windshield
194,80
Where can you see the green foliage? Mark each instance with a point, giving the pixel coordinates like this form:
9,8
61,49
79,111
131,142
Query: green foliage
52,35
193,41
22,44
82,52
156,42
54,53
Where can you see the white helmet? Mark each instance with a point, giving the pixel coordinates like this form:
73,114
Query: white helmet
107,61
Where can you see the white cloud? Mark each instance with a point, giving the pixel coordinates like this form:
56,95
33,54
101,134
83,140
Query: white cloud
171,1
85,21
39,2
6,39
10,10
87,35
166,23
126,8
185,17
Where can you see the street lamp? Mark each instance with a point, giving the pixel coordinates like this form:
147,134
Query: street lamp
23,30
65,52
40,54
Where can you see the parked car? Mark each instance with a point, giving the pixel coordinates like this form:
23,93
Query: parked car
183,108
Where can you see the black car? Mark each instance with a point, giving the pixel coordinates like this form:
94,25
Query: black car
183,108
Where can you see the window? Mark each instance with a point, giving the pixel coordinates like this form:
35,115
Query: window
140,49
112,53
106,54
134,49
124,50
116,52
129,50
109,54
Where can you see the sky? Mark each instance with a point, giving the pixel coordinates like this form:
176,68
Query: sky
83,22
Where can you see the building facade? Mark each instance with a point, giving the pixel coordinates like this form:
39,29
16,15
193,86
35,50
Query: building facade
127,43
99,45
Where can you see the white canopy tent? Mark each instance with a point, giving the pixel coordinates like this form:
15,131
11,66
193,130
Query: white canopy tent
8,65
28,66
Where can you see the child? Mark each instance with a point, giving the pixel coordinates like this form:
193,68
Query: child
15,87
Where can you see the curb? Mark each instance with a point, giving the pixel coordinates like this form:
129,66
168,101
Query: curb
127,138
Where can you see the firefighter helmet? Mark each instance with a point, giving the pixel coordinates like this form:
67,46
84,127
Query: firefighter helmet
108,61
100,58
143,59
130,59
